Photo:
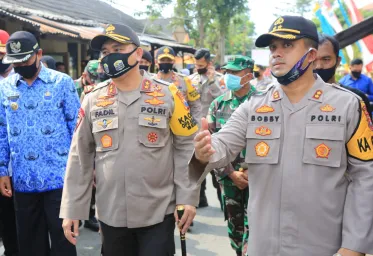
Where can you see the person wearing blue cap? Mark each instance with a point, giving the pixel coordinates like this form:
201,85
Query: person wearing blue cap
38,113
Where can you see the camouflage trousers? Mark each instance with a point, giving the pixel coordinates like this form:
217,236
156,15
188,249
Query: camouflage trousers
235,210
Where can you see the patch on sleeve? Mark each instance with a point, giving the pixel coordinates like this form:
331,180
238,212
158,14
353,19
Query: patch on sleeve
182,123
193,94
360,145
81,115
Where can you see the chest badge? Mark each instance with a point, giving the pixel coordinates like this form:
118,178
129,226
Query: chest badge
322,151
152,120
263,131
152,137
106,141
105,123
265,109
104,103
47,95
14,106
262,149
327,108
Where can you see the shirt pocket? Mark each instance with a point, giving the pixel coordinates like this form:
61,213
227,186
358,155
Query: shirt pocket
153,131
106,133
263,143
324,145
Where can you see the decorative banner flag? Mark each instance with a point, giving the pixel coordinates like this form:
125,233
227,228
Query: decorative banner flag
332,19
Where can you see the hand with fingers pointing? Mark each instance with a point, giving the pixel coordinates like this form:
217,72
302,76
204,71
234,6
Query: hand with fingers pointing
202,143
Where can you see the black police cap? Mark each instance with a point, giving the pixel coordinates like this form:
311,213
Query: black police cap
147,56
119,33
165,52
289,28
21,46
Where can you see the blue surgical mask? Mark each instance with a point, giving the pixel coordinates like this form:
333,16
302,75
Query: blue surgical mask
233,82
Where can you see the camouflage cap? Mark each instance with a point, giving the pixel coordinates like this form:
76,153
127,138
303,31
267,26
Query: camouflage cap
238,63
91,68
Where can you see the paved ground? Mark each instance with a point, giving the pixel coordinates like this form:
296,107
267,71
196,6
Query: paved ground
208,237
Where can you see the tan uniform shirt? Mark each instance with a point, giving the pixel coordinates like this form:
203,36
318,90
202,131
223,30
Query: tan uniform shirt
208,90
189,92
310,171
139,143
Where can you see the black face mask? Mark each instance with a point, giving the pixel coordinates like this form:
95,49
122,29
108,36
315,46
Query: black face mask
256,74
3,67
165,67
103,77
356,74
144,67
202,71
326,74
116,64
27,71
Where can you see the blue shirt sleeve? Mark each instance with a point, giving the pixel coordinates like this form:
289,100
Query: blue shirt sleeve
4,145
370,90
71,105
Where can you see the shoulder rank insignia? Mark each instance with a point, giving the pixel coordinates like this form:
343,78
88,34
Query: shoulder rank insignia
276,95
265,109
317,95
88,88
146,85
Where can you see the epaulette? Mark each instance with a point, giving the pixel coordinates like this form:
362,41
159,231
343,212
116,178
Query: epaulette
337,86
101,85
162,82
88,88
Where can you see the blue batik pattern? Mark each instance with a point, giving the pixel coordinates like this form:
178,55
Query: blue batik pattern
36,127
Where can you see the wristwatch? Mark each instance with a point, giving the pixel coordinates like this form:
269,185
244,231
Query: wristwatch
337,254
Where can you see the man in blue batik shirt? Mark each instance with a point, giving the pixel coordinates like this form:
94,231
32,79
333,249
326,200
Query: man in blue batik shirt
38,113
357,80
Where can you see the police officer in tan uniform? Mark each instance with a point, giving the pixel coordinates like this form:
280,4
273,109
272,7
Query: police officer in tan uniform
165,63
137,133
309,149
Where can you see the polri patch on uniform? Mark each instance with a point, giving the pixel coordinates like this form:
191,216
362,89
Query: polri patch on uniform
262,149
327,108
317,94
322,151
162,111
263,131
105,123
152,121
81,115
106,141
152,137
265,109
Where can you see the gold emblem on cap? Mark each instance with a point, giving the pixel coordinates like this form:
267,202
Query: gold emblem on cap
279,21
166,51
110,29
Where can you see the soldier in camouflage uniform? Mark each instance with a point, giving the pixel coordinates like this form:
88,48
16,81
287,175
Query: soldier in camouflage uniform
88,80
233,179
